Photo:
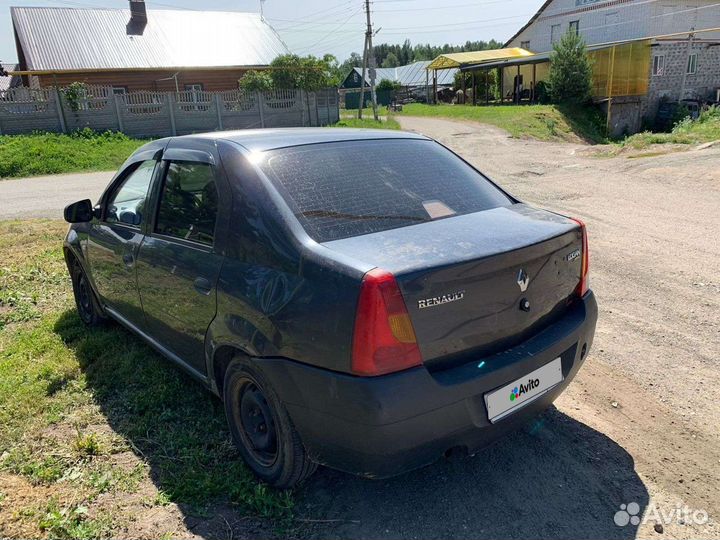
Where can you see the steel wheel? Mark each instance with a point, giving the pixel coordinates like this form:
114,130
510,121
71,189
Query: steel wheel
259,433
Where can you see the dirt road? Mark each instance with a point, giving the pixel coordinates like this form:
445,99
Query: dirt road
640,423
46,196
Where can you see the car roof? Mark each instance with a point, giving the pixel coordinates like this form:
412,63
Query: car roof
260,140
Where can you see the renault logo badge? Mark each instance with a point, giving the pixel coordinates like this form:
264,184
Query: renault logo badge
523,280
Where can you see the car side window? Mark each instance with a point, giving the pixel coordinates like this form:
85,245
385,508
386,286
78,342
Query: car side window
189,202
127,204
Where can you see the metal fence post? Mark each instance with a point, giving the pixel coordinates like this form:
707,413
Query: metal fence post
171,108
116,99
61,113
218,103
261,106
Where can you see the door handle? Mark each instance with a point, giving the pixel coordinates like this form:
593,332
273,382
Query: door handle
128,259
202,285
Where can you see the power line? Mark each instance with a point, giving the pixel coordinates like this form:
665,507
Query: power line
331,32
473,4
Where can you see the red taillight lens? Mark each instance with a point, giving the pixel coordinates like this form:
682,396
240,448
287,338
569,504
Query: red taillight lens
584,284
384,339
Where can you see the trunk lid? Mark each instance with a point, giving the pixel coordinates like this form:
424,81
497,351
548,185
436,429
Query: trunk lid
477,283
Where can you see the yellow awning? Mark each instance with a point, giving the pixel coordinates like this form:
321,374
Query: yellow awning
456,60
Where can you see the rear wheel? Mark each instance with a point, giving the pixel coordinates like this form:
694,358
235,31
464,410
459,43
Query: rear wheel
87,306
261,428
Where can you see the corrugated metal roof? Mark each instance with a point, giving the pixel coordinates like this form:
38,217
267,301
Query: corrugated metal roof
81,39
9,81
411,74
463,59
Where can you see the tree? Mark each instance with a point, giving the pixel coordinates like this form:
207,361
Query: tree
387,84
307,72
570,76
256,81
391,61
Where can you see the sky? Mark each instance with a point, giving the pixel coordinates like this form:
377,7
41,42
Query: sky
337,26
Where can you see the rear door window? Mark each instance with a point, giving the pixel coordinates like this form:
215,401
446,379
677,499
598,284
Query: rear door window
343,189
188,202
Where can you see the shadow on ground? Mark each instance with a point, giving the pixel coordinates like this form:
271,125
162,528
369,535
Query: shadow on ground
556,479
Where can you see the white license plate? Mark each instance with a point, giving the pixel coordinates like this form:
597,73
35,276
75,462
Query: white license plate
517,394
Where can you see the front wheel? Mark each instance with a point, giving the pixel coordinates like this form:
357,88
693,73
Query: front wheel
261,428
87,306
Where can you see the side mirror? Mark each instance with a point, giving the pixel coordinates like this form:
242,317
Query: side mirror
79,212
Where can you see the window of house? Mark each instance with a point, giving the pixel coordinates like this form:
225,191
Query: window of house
525,45
555,33
574,27
120,90
189,202
611,19
692,64
658,65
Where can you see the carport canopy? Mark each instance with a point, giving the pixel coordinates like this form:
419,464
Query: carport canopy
465,59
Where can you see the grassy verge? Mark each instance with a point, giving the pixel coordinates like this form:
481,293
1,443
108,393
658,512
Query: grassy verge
99,436
705,129
542,122
52,153
369,122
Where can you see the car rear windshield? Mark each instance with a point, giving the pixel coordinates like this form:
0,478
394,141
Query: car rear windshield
343,189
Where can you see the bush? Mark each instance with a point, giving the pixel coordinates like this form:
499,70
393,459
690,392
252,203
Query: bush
256,81
306,73
570,77
387,84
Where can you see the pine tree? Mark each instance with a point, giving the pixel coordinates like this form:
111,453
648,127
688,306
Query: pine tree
570,76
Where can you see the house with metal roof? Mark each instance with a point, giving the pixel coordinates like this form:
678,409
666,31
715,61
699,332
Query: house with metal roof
141,49
413,78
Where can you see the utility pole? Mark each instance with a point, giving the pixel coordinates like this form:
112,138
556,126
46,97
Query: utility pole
691,37
368,61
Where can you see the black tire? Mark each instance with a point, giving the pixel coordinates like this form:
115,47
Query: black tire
261,428
85,301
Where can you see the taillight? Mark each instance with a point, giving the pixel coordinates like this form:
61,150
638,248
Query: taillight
384,339
584,284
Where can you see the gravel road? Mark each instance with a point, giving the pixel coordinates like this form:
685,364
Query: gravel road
46,196
640,422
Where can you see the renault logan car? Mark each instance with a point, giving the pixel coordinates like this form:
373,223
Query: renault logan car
360,299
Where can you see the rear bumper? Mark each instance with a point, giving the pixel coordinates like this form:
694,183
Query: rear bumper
382,426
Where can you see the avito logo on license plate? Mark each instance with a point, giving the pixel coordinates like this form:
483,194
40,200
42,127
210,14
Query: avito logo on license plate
519,393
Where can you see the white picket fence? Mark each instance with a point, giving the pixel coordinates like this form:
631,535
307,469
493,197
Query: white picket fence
159,114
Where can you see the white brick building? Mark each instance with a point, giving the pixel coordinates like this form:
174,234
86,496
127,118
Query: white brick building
599,21
675,48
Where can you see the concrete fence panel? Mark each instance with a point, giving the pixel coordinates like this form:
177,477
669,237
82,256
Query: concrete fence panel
161,114
94,109
24,110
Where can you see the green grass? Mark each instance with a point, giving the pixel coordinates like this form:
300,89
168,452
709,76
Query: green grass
368,122
51,153
705,129
88,412
542,122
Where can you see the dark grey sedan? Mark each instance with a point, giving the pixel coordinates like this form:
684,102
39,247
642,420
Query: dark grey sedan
360,299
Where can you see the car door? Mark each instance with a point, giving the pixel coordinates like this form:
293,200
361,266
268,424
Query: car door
114,239
179,260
